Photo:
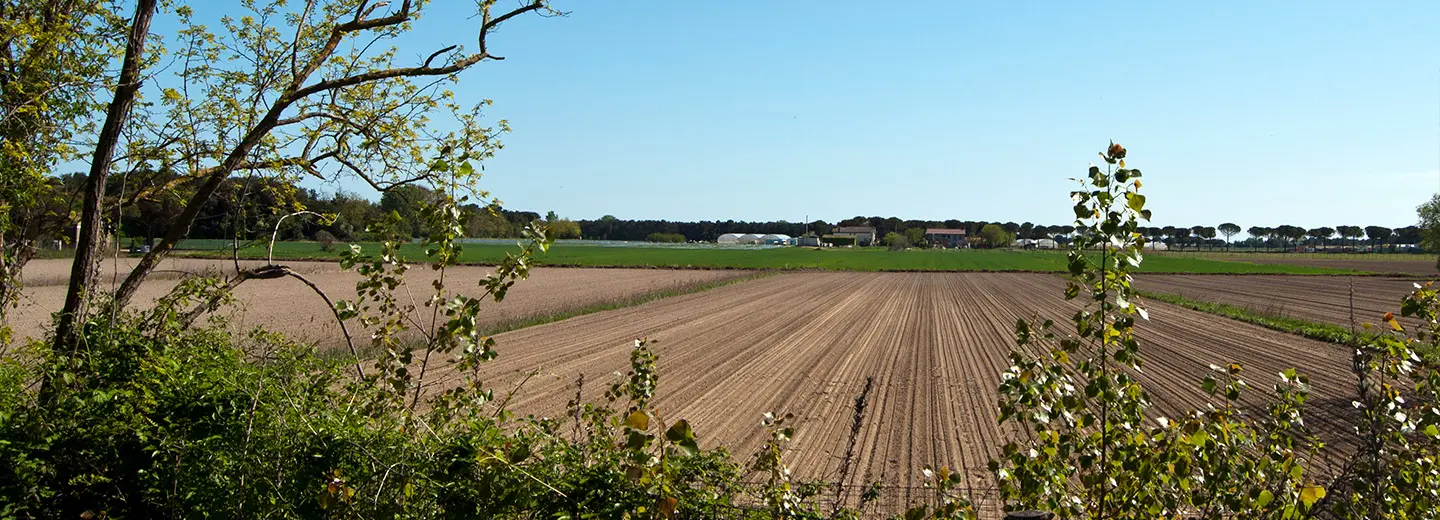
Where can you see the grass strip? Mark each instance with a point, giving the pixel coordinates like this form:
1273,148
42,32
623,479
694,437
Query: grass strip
368,351
1327,332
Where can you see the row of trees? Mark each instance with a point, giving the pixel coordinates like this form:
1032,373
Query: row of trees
1282,237
249,207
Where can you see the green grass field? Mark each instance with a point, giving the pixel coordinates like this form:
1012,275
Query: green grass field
843,259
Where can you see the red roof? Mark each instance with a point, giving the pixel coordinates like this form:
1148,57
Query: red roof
943,231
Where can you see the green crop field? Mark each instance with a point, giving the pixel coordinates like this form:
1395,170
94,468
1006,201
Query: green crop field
843,259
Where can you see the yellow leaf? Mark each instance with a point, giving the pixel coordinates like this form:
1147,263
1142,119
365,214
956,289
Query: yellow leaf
1311,494
638,420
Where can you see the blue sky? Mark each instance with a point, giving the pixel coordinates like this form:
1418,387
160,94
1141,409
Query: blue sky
1308,113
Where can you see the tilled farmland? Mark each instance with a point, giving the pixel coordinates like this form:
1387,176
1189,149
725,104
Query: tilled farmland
935,344
1315,298
287,306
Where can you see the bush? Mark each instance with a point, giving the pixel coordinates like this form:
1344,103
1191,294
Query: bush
326,240
895,241
672,238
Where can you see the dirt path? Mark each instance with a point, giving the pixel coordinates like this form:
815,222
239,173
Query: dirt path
934,342
285,305
1314,298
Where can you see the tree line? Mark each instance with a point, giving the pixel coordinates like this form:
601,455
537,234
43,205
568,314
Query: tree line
146,206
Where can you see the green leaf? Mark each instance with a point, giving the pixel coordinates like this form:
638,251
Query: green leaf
1135,201
638,420
1264,499
681,435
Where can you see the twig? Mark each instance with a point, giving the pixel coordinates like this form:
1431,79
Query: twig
508,395
270,252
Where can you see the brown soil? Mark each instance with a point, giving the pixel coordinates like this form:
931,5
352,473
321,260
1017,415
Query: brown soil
935,343
1419,267
286,305
1314,298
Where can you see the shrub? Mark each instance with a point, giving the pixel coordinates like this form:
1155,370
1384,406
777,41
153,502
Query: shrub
895,241
673,238
326,240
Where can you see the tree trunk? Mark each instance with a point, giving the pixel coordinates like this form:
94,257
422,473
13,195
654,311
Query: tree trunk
88,246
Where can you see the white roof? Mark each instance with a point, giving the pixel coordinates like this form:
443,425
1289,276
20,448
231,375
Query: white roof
776,236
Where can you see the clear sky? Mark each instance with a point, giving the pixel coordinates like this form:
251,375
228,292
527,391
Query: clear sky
1308,113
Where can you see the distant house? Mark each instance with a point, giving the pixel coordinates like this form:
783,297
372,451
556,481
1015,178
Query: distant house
947,238
863,235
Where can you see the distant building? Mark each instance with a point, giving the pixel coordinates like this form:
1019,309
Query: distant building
751,238
863,235
729,238
776,239
808,241
947,238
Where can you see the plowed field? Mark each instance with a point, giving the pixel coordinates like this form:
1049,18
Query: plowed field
1314,298
285,305
1418,267
935,343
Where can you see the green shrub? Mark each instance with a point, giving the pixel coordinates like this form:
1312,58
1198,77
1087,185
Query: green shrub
673,238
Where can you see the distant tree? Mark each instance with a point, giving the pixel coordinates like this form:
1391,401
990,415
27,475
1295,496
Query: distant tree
1377,234
405,201
1011,228
1429,225
1229,229
562,228
1351,233
1321,234
665,237
995,236
916,236
607,226
1181,236
1260,233
1410,235
488,222
1027,230
895,241
1207,233
1292,234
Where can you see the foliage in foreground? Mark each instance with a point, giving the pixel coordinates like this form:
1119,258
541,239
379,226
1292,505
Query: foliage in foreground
1094,448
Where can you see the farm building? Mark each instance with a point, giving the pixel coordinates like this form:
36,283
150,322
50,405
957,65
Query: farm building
808,241
777,240
751,238
947,238
1033,243
863,235
729,238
